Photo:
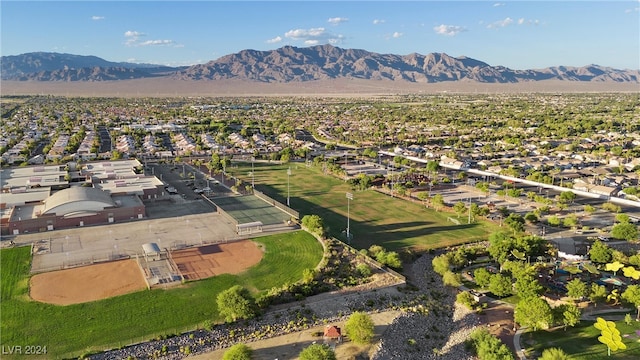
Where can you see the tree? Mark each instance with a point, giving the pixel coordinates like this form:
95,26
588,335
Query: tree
438,201
527,285
432,166
441,264
515,222
488,346
238,352
533,312
500,285
553,354
625,231
553,220
500,245
567,197
622,218
482,277
452,279
577,289
531,218
632,296
116,155
600,253
570,221
236,303
460,208
317,352
314,224
359,328
570,315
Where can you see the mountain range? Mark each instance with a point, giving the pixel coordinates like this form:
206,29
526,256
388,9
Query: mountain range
292,64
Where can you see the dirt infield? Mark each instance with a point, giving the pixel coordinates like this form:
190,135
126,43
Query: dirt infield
87,283
207,261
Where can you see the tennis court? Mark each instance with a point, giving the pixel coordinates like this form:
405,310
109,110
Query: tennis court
250,208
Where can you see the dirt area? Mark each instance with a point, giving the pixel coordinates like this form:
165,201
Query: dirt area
207,261
498,318
87,283
289,346
162,87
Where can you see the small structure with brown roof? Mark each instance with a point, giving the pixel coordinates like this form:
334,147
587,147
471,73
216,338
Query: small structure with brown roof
332,333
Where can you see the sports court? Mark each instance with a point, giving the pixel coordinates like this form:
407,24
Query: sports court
250,209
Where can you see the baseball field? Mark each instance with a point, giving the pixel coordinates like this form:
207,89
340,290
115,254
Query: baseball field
71,330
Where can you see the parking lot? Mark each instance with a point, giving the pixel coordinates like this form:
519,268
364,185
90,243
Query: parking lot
189,182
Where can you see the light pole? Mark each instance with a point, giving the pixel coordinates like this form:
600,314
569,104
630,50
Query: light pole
253,183
349,198
224,170
469,221
288,176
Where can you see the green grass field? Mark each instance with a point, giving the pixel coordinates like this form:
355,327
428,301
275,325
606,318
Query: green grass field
71,330
375,218
581,342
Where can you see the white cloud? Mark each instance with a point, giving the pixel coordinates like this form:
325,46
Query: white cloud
96,18
133,34
275,40
629,11
314,36
498,4
337,20
500,23
156,43
133,37
378,21
523,21
397,34
449,30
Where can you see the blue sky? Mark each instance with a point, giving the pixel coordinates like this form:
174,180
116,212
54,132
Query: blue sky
516,34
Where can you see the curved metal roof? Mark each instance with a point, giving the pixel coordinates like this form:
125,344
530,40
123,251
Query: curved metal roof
77,199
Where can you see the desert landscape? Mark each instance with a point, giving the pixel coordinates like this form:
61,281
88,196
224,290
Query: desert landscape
349,88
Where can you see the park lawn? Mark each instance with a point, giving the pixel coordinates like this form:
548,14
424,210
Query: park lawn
69,331
581,342
375,218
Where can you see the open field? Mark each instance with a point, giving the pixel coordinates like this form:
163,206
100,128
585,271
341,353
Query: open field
581,342
88,283
336,88
69,331
374,218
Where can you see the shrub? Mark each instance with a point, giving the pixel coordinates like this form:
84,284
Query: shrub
364,270
465,298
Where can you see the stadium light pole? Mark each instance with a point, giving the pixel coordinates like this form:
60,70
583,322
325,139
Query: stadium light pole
253,176
224,170
288,182
469,221
349,198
